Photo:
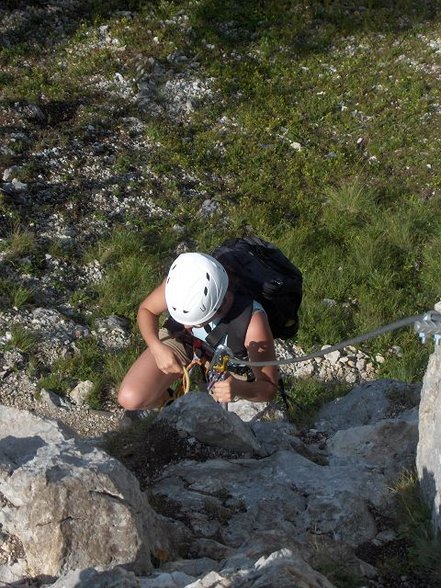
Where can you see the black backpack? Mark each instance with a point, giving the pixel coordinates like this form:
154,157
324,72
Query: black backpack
267,275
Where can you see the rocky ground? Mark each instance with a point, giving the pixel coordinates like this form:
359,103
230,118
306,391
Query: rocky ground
62,197
224,501
57,338
19,389
75,170
55,218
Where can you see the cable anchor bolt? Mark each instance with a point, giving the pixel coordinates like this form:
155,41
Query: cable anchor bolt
429,326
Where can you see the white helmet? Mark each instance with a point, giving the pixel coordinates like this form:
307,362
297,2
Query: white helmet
195,288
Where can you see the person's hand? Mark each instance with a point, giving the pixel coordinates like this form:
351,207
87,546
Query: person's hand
166,360
223,391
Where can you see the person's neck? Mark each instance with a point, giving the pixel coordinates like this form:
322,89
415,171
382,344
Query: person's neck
226,304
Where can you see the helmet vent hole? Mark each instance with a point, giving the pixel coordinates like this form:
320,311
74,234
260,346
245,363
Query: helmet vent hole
185,311
205,291
208,276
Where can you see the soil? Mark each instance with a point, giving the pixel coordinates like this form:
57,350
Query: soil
147,447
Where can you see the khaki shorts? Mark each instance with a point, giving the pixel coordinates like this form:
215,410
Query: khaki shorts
181,345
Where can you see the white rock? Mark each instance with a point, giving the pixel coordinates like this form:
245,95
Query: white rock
333,356
50,398
296,146
19,186
9,172
81,392
361,364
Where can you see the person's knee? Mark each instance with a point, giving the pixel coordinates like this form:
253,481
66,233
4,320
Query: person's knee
132,398
129,398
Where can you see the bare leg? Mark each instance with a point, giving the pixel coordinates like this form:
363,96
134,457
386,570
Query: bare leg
144,385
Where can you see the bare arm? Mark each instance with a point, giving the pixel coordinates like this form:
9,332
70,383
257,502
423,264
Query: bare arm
259,343
149,312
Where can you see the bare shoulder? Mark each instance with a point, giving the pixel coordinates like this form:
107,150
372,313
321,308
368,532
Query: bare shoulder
258,328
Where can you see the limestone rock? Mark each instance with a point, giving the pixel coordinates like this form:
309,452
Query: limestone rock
253,411
168,580
274,436
81,392
233,500
367,404
71,506
429,446
389,444
281,569
192,567
79,514
201,417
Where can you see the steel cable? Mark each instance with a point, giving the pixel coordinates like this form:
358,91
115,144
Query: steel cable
321,352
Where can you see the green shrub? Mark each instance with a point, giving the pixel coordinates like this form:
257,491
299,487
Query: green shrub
53,382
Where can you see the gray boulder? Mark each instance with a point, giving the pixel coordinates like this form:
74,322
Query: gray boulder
249,411
71,505
367,404
201,417
284,568
274,436
235,499
389,444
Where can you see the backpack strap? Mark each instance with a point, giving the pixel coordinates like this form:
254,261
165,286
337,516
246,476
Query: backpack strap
234,324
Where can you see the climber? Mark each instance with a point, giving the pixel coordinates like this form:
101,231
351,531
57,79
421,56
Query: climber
201,299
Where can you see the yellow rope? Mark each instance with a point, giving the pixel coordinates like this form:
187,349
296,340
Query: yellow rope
185,385
185,380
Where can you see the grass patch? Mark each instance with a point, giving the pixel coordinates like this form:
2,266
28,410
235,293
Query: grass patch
417,556
105,369
416,524
134,263
22,339
14,294
307,395
84,364
18,243
54,382
411,364
117,364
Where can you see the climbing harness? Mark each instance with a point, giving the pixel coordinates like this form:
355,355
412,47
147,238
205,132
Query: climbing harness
217,370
